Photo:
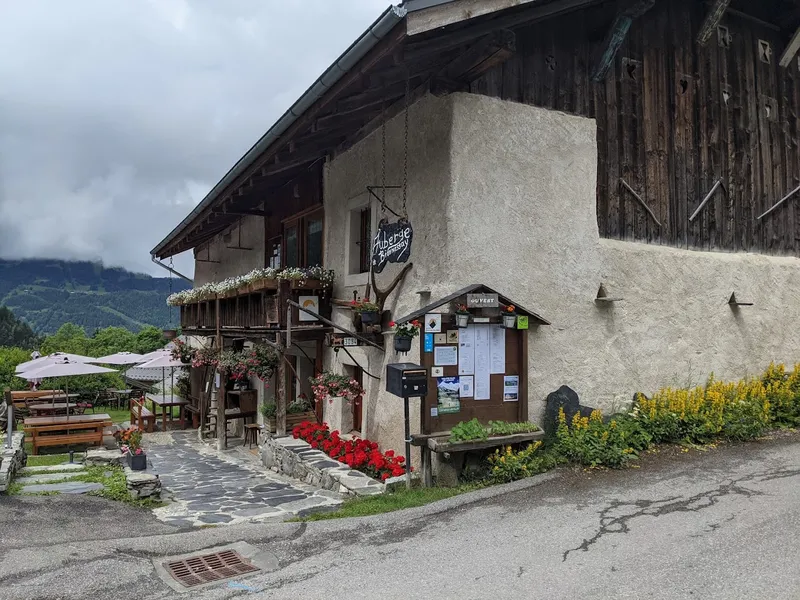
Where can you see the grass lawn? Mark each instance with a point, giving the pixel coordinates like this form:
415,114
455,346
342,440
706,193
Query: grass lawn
391,501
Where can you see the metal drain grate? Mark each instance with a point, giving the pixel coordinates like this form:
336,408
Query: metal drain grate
209,568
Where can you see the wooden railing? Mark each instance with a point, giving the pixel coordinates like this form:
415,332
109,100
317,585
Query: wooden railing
248,309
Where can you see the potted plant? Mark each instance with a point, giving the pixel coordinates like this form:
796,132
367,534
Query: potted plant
297,412
462,315
369,311
329,385
183,352
403,334
509,317
131,446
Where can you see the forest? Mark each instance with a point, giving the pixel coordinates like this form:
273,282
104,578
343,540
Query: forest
47,293
17,341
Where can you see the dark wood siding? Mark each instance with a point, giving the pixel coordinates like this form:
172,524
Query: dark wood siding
672,118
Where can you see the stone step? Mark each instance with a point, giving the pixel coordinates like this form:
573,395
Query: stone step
68,487
45,477
27,471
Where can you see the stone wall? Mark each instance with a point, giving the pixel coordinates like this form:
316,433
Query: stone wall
296,459
12,460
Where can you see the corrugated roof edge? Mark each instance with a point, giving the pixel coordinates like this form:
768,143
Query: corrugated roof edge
341,66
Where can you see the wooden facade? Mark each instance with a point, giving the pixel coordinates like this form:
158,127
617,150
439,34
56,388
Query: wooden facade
674,117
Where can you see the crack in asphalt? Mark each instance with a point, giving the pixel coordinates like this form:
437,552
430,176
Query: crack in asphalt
665,506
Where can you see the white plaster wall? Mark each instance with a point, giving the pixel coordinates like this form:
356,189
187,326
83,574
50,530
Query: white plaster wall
523,186
346,178
231,261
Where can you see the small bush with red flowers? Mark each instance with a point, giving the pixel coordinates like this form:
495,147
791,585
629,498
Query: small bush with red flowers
358,454
331,385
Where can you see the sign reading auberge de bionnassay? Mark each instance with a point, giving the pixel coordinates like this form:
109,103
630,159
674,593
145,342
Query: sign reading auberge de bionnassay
392,244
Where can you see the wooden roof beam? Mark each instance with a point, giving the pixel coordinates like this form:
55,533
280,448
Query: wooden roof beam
791,50
616,36
712,20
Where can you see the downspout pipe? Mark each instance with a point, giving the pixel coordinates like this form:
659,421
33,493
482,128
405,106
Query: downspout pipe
170,269
341,67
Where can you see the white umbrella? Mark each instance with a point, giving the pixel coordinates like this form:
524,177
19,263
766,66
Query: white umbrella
64,368
152,355
165,361
50,359
120,358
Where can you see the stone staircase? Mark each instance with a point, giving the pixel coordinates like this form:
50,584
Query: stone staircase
55,479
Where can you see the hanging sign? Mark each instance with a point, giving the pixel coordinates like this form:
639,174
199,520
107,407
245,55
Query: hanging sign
392,244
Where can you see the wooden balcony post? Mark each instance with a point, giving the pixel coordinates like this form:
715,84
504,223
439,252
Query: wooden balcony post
222,424
280,399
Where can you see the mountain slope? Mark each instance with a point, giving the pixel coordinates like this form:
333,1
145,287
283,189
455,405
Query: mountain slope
14,332
47,293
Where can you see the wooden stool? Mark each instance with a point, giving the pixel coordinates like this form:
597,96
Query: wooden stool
251,433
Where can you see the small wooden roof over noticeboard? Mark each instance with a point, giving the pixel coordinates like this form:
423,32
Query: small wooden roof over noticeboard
475,288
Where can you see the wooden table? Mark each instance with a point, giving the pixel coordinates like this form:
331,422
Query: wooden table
66,430
57,397
45,409
167,402
121,395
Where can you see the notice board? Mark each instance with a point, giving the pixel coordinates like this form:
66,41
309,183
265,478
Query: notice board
477,372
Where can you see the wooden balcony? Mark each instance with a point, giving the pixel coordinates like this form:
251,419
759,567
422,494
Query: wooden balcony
257,308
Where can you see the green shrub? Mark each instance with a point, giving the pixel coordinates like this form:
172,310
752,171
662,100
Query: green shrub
507,465
468,431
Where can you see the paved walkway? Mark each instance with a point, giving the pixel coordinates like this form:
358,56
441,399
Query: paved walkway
209,488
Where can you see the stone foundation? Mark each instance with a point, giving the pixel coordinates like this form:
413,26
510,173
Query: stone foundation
101,456
296,459
142,484
12,460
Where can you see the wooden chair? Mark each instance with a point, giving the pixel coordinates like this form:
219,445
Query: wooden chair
141,416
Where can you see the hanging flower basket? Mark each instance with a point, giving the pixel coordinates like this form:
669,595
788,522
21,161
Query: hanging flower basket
402,344
509,317
403,334
369,311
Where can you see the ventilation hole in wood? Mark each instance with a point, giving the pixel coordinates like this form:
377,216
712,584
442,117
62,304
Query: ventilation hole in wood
768,110
765,51
724,37
631,68
551,62
684,86
726,96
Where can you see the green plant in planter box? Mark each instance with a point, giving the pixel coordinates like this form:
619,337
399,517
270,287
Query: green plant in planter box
299,406
468,431
269,410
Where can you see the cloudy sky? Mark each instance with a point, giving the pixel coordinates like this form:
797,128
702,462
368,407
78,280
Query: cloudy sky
117,117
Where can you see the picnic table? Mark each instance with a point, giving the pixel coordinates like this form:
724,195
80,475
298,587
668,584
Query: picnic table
57,397
167,402
121,395
66,430
45,409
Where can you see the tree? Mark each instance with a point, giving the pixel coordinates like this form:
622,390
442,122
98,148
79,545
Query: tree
69,338
149,339
9,359
15,333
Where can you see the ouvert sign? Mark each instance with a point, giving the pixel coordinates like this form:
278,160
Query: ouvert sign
392,244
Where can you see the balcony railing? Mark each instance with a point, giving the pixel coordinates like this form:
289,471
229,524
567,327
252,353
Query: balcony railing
258,306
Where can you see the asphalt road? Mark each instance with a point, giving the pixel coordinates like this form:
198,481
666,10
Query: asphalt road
717,524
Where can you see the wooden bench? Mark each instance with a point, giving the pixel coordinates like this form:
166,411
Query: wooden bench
194,411
141,415
21,399
66,434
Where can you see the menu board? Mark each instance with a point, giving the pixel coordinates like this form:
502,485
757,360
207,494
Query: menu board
483,344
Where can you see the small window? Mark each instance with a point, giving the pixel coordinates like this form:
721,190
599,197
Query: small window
274,253
314,242
765,51
292,254
360,252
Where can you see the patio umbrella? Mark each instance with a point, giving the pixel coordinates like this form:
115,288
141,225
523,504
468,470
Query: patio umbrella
165,361
50,359
153,355
120,358
64,368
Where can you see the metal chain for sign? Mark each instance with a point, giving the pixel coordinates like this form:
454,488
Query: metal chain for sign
405,151
383,163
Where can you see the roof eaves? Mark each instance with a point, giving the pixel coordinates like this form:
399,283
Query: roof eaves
341,66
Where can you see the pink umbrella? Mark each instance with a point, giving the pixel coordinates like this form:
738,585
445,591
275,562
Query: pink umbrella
120,358
165,361
64,368
50,359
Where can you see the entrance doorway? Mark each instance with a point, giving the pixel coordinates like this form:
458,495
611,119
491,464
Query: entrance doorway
358,375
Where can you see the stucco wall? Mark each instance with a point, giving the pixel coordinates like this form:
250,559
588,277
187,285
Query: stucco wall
346,178
523,183
231,261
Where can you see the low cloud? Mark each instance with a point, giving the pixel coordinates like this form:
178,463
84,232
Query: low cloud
116,118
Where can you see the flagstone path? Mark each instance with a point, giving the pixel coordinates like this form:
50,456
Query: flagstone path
55,479
209,488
